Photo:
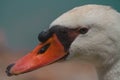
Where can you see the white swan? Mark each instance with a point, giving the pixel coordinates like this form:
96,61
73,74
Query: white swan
90,33
101,44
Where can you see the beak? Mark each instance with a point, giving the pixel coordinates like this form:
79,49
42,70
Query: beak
43,54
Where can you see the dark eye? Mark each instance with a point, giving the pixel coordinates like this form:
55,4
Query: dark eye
44,48
83,30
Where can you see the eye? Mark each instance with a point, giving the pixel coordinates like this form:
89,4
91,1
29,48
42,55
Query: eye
44,48
83,30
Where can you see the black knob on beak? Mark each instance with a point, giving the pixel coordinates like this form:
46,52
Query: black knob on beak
44,35
8,69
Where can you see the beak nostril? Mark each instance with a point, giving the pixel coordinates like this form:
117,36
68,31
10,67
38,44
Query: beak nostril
44,48
8,69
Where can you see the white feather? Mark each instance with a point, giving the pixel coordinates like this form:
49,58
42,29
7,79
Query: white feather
101,45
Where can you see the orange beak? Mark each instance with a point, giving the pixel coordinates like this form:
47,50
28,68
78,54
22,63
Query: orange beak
43,54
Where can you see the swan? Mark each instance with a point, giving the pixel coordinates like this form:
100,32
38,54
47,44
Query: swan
89,33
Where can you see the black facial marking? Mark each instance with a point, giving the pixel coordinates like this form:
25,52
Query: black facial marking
44,35
44,48
64,34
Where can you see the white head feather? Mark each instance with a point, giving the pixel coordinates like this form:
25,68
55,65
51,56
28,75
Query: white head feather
102,42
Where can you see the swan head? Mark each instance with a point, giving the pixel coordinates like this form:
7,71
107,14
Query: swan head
98,36
90,33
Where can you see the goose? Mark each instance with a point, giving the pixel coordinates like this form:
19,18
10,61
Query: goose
89,33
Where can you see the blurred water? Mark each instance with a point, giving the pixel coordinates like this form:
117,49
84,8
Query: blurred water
22,20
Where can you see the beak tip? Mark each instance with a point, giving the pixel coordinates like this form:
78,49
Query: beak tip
8,70
8,74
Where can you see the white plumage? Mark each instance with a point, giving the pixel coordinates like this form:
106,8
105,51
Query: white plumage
101,45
